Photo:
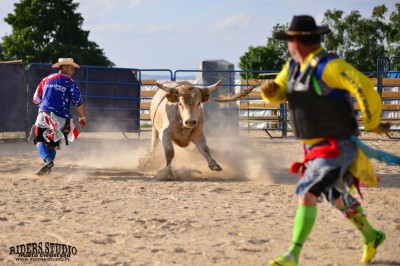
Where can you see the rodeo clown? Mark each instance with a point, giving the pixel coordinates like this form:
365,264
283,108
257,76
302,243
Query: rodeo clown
54,121
318,85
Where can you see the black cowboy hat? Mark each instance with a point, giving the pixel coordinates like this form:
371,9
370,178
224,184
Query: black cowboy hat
302,26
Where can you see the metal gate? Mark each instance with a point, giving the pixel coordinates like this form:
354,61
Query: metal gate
13,97
111,96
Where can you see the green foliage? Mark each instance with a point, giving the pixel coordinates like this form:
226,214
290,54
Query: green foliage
45,30
358,40
393,37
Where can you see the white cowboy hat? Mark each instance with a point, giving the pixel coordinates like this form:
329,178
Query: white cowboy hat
65,61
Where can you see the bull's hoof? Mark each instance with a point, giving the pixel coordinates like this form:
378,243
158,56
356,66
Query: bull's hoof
163,178
165,174
215,167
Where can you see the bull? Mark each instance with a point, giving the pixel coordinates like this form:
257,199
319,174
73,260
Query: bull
177,117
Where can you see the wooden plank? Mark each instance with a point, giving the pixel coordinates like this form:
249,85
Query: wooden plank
250,105
260,118
390,107
386,81
385,107
390,94
248,82
393,82
254,95
148,94
393,121
144,116
145,105
149,82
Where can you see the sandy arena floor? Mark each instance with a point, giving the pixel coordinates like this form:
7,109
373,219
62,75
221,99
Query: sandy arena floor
109,212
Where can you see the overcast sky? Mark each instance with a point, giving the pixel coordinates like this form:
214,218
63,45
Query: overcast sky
176,34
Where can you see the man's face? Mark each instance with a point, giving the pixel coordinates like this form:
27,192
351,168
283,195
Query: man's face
68,70
292,47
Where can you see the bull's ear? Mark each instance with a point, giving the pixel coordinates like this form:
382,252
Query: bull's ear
172,97
205,95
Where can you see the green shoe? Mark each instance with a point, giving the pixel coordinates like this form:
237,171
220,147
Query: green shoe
286,259
370,248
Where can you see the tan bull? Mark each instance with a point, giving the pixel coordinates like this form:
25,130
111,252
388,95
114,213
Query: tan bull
177,117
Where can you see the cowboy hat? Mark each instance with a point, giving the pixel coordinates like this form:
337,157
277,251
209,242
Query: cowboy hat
302,26
65,61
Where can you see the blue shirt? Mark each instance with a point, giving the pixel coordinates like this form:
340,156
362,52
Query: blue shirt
55,93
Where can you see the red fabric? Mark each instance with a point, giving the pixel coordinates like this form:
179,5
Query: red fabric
73,133
326,151
52,125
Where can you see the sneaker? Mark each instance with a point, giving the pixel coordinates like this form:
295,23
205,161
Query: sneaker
370,248
46,168
286,259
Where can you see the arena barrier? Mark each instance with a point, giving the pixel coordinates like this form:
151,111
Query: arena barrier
118,99
13,97
111,96
254,113
251,113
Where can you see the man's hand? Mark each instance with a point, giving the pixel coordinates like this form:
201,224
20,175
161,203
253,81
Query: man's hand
82,122
269,88
383,128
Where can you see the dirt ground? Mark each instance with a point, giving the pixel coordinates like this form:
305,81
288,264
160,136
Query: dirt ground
99,204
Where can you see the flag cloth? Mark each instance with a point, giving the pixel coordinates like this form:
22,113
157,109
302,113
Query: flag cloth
54,133
73,133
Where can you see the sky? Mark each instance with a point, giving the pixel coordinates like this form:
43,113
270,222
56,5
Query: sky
178,34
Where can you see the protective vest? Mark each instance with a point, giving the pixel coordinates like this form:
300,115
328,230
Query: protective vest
315,109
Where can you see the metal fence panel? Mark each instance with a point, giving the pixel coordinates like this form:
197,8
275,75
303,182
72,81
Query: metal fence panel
111,96
13,98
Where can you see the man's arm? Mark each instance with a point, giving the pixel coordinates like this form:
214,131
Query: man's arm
81,112
340,74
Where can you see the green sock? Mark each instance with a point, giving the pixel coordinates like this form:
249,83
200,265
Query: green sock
358,219
303,224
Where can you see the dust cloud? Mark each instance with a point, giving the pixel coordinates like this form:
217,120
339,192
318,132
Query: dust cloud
241,158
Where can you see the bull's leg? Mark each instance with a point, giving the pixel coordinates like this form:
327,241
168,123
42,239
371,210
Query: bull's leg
166,173
201,144
168,147
154,140
147,160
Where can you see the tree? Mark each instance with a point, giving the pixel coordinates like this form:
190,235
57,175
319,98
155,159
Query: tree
359,40
394,37
269,57
45,30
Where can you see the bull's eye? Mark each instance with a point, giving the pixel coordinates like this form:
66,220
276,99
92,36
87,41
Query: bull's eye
180,104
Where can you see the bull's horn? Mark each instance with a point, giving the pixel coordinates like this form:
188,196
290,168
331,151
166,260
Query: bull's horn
213,87
235,97
165,88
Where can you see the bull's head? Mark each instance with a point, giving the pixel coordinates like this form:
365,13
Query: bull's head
189,99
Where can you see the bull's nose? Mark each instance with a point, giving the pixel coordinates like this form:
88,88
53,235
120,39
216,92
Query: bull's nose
190,123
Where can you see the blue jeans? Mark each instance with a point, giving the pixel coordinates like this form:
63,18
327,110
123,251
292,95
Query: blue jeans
322,168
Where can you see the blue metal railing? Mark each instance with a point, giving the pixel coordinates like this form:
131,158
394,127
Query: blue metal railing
88,81
121,105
